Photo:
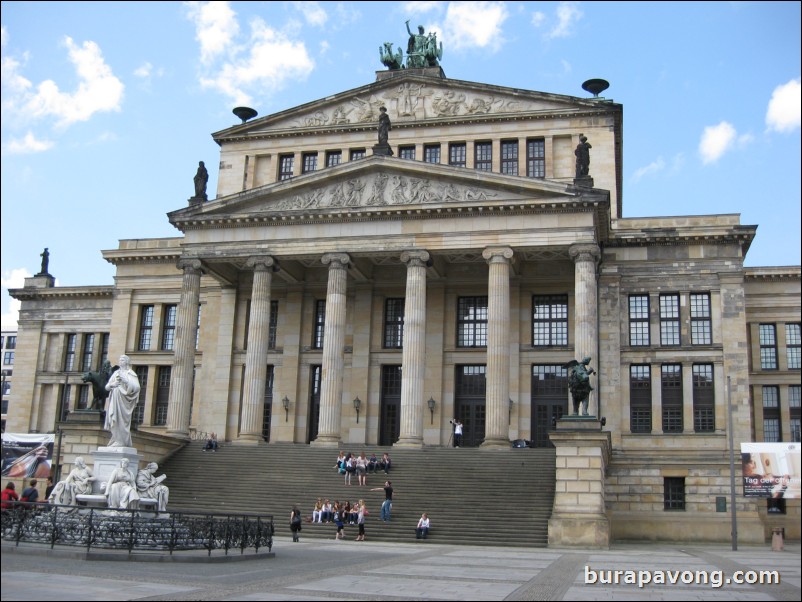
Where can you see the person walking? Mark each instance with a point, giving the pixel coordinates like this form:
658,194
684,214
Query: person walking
295,523
387,506
361,520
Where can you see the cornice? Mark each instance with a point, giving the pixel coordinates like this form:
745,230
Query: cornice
31,294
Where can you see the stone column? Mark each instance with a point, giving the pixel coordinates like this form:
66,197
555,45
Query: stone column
253,398
331,386
586,332
498,347
180,400
414,353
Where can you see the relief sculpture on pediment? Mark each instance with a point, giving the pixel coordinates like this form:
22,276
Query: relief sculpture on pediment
382,190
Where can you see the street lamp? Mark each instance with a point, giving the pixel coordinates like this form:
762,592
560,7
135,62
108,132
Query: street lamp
431,403
286,403
357,405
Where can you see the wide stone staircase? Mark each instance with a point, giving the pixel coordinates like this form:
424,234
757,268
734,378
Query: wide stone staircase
473,496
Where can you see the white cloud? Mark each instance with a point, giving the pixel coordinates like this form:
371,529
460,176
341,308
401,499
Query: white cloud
420,8
144,70
98,90
654,167
538,19
475,24
568,14
27,145
312,12
783,114
716,140
269,62
13,279
216,27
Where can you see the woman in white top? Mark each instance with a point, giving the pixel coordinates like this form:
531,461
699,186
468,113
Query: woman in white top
422,530
362,469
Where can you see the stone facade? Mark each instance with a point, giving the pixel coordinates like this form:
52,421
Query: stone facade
468,268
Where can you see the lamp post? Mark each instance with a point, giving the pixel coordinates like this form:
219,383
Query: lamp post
431,403
357,405
286,403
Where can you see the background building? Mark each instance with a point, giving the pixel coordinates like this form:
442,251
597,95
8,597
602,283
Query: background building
335,292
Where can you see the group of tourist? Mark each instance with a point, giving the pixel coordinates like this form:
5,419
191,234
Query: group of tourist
348,465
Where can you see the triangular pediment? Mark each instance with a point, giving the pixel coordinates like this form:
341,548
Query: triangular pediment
380,184
410,98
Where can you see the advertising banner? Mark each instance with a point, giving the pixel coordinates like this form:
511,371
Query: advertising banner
27,456
771,470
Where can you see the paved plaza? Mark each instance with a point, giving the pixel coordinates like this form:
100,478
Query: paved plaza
349,570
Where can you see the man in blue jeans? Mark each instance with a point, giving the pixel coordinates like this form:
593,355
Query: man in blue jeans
387,506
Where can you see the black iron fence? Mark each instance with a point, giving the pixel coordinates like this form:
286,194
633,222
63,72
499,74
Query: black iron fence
135,530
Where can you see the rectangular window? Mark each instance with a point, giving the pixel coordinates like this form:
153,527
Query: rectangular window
69,353
639,320
472,322
669,320
89,352
8,358
357,153
457,154
273,328
509,157
771,414
640,398
11,342
286,164
104,347
145,327
768,346
394,323
536,158
320,321
162,395
673,493
267,415
792,346
197,327
431,153
483,156
671,397
794,393
333,158
704,399
406,152
309,162
138,416
549,320
168,327
701,330
83,397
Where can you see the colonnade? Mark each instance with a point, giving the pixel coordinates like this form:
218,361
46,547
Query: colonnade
499,259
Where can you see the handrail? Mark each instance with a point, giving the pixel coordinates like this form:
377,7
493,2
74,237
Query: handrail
135,530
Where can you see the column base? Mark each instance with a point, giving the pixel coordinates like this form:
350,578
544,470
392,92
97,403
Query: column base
248,440
579,530
496,443
333,442
409,442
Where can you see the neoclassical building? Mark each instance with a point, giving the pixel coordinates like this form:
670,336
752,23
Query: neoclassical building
337,291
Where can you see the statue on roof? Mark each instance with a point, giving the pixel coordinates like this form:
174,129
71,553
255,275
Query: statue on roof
422,49
582,153
390,60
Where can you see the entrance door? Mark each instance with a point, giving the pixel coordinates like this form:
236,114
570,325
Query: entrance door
469,401
390,405
268,404
549,401
315,374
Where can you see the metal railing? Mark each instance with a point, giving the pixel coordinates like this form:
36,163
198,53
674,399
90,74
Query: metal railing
135,530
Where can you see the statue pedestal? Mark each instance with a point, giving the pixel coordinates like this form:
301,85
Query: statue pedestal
584,451
107,459
86,417
197,200
382,149
583,182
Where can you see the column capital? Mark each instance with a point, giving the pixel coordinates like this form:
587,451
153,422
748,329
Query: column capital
416,258
261,263
584,252
191,265
497,254
336,260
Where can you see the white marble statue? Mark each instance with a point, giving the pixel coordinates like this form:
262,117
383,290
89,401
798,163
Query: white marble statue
123,387
78,482
121,489
149,485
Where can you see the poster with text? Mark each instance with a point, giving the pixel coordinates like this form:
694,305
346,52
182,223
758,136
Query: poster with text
771,470
27,455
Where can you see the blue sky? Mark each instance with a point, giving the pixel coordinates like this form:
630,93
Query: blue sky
107,107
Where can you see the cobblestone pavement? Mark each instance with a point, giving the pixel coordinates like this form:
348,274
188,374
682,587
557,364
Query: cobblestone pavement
349,570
